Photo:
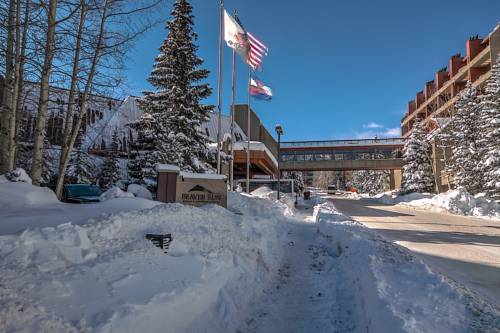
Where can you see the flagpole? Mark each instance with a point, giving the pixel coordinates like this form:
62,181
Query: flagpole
248,129
233,95
219,106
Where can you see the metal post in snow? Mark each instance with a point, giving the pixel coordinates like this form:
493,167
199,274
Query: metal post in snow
233,93
248,129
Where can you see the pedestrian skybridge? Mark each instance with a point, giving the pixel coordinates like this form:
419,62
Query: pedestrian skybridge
342,155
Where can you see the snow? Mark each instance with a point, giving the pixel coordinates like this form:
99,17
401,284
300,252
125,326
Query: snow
255,146
139,191
23,195
115,192
167,167
25,206
394,197
460,202
105,276
18,175
457,201
400,293
202,175
259,266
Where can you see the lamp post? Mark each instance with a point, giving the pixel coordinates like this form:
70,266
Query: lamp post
279,131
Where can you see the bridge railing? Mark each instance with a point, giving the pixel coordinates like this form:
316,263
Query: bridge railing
335,143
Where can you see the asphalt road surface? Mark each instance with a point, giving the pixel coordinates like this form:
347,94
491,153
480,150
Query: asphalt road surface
464,249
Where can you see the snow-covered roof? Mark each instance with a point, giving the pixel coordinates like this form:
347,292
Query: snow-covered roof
167,168
129,112
210,127
202,175
256,145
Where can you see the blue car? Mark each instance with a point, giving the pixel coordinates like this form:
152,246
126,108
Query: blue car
81,193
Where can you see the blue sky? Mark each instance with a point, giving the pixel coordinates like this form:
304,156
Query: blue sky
338,69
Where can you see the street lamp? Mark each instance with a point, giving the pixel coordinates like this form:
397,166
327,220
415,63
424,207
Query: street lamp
279,131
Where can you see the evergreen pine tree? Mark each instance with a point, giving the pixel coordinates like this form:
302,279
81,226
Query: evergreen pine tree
298,181
111,170
489,128
49,162
173,112
417,171
82,169
368,181
142,165
465,140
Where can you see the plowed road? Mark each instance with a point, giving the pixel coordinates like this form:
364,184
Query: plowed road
464,249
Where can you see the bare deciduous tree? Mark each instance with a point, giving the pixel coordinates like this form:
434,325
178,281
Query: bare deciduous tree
43,102
8,91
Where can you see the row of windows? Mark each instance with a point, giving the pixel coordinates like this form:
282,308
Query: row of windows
352,155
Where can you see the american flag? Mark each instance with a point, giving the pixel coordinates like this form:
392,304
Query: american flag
257,51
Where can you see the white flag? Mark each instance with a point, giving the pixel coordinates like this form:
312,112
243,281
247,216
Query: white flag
235,36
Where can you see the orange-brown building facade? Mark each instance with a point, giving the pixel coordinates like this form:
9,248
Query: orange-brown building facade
437,98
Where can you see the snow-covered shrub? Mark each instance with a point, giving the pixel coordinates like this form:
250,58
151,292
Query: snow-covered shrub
115,192
139,191
82,168
110,173
18,175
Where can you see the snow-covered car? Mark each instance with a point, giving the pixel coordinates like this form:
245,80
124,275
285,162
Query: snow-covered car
81,193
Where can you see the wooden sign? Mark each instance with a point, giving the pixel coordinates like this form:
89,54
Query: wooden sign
194,189
201,189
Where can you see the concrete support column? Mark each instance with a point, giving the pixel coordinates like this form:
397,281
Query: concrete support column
392,181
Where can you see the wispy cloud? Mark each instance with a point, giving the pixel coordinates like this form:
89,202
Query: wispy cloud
379,131
372,125
396,131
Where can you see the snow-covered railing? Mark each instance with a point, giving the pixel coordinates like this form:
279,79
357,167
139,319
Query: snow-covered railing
339,143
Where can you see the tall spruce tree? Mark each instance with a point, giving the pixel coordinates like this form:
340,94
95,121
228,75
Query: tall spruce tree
417,171
110,173
173,112
465,140
489,127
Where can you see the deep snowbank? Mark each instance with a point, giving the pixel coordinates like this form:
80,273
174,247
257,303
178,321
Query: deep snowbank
24,195
399,293
457,201
460,202
105,277
25,206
